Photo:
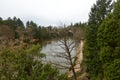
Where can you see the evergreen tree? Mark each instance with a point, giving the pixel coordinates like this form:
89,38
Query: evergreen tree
9,22
1,20
27,23
109,43
98,13
20,23
14,18
33,26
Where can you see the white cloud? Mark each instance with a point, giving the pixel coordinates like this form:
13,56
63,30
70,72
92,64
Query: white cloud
48,10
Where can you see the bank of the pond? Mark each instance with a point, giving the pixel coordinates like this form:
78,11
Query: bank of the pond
79,59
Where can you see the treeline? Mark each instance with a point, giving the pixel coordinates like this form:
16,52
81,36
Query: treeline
30,31
102,48
14,32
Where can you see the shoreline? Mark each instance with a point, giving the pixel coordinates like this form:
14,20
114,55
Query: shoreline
79,58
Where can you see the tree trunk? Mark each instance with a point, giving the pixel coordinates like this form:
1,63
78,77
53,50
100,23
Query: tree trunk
71,63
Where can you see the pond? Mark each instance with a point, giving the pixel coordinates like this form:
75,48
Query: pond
55,53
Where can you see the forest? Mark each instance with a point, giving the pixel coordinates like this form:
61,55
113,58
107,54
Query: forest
21,45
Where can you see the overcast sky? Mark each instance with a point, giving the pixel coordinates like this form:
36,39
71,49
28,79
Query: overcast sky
47,12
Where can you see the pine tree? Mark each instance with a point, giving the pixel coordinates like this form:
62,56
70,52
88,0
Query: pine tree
1,20
20,23
109,42
34,27
98,13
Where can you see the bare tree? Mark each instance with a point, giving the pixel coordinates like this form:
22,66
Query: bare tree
65,58
68,46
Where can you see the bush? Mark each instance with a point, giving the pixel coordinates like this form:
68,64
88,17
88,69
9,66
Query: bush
21,65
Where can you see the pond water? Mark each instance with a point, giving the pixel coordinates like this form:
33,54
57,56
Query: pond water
55,49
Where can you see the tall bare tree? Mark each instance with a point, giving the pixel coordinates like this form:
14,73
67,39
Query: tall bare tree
67,45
